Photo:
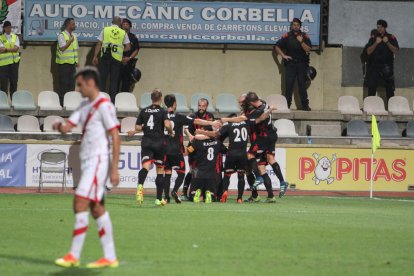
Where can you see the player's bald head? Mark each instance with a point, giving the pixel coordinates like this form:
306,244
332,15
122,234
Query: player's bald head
117,21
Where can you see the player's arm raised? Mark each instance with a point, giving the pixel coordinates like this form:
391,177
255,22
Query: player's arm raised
116,148
211,134
265,115
239,119
215,124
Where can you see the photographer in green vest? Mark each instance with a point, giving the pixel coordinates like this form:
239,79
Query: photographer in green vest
112,42
67,58
9,59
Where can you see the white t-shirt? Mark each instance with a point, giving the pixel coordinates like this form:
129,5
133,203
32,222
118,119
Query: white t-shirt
95,139
126,38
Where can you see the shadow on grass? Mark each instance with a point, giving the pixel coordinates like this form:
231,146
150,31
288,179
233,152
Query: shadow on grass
42,262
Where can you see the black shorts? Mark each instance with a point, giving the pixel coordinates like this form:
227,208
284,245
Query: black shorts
153,151
175,162
266,144
235,163
261,158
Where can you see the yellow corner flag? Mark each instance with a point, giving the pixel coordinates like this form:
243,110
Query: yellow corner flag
376,137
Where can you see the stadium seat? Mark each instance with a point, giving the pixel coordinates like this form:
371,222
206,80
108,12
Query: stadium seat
349,105
145,100
106,95
398,105
410,129
49,121
23,100
4,101
126,102
227,103
28,123
48,100
182,105
196,97
6,124
374,105
127,124
285,128
279,102
389,129
357,128
72,100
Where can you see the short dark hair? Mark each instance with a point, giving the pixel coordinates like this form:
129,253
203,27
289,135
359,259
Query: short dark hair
126,20
169,100
383,23
251,97
297,20
156,95
204,100
67,21
6,24
88,73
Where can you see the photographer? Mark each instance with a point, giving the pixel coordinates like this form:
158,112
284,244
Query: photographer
381,49
294,48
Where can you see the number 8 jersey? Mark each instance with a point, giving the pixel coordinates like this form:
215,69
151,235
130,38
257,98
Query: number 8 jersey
205,156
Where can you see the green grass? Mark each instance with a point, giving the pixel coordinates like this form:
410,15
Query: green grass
296,236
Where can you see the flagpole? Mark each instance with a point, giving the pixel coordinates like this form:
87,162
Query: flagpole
372,174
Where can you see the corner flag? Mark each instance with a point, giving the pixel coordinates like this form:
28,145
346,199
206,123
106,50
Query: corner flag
376,137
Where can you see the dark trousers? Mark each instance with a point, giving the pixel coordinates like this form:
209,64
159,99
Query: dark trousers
109,69
9,73
66,79
125,79
373,77
296,71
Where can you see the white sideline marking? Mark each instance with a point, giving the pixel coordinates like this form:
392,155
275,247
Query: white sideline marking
366,198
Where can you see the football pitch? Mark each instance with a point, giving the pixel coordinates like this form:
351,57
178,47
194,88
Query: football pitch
296,236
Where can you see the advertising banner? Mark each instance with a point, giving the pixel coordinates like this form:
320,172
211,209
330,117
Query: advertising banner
12,165
173,21
350,169
129,166
10,10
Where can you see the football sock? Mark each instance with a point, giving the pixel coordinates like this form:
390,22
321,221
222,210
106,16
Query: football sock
142,175
268,185
104,225
167,181
79,233
277,171
226,182
253,167
240,185
159,183
187,182
178,181
250,181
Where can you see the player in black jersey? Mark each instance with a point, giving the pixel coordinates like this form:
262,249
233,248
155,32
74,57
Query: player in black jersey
152,120
203,114
175,148
206,168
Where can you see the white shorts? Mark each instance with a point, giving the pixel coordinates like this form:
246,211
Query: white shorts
94,176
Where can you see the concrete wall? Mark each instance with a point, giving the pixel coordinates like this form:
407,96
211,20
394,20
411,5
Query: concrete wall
210,71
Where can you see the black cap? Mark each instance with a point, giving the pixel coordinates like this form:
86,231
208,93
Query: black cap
297,20
383,23
6,24
126,20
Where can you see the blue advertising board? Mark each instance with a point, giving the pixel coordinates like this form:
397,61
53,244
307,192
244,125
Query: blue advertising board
173,21
12,165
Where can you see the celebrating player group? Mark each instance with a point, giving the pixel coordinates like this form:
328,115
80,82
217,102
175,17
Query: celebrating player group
163,145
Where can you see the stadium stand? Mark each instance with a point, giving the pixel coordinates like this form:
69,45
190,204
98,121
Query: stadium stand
28,123
23,100
227,103
48,100
4,101
49,121
389,129
374,105
126,102
399,105
127,124
285,128
6,124
279,102
71,100
410,129
145,100
194,102
357,128
182,105
349,105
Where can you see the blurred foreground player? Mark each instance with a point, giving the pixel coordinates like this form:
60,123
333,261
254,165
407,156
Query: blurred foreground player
100,126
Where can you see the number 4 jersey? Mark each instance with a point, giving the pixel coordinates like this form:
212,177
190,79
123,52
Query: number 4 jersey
205,153
152,120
